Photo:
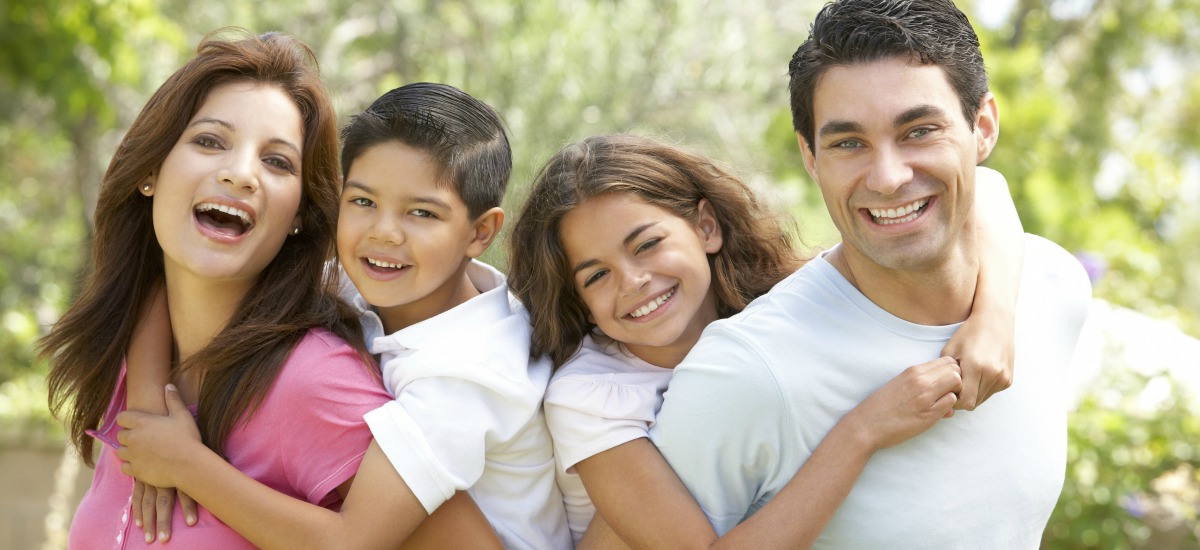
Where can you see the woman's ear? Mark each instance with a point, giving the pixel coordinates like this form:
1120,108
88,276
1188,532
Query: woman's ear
486,227
708,228
147,187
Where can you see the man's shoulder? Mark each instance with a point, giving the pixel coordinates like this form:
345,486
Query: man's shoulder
1048,264
790,307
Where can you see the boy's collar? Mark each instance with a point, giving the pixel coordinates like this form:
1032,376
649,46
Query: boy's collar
489,306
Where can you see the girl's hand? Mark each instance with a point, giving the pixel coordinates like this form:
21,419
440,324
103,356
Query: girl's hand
909,404
159,502
983,346
153,446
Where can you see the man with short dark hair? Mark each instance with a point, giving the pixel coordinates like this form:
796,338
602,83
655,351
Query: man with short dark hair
892,110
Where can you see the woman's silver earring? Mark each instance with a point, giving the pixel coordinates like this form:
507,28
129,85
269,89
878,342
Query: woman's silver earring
146,188
295,230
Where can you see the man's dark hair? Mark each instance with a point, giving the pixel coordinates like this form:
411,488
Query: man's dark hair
846,32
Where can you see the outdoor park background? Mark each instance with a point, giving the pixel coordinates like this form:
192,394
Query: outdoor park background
1100,142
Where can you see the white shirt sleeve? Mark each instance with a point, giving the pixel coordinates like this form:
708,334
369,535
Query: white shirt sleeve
437,430
724,426
590,414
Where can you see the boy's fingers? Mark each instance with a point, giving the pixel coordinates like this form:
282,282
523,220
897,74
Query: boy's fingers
175,404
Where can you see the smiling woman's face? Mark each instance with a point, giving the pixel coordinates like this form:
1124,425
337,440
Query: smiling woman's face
227,195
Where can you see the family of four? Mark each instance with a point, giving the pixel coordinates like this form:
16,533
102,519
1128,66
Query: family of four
660,368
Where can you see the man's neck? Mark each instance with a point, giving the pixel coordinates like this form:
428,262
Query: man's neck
938,295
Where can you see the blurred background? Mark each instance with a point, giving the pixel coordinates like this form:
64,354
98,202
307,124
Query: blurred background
1100,110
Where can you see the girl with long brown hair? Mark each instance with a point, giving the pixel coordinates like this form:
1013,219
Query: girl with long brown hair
626,249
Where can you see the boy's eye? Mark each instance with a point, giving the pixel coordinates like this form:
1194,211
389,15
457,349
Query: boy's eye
422,213
363,202
595,276
647,245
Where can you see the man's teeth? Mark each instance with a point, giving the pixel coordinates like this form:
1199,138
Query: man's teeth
653,305
906,213
378,263
242,214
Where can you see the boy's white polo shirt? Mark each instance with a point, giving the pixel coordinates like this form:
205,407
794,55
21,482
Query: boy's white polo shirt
467,411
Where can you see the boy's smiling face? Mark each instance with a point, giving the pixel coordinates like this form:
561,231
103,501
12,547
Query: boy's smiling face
403,236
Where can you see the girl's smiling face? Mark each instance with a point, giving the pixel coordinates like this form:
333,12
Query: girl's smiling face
643,273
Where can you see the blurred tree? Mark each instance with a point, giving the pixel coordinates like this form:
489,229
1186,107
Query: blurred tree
1099,109
63,66
1099,114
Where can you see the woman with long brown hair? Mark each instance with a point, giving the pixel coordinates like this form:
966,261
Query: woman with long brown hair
224,193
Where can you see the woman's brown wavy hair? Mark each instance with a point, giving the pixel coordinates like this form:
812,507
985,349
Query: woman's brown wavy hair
758,249
86,346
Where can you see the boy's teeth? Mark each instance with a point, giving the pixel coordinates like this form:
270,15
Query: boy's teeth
906,213
653,305
242,214
378,263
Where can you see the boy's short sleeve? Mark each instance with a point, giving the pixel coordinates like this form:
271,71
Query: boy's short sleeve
437,430
314,413
588,415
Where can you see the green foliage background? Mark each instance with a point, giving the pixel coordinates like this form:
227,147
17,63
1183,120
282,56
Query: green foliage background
1100,110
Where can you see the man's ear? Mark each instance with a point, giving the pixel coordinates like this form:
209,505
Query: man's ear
708,228
486,227
987,127
810,159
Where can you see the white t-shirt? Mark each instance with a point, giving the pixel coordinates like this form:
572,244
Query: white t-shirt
467,412
600,398
760,390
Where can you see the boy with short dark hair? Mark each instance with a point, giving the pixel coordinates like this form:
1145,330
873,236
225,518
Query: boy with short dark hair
425,168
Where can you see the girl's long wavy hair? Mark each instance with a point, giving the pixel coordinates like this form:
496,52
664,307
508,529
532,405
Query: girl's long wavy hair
292,294
758,249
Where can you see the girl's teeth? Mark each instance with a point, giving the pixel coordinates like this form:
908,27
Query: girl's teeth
653,305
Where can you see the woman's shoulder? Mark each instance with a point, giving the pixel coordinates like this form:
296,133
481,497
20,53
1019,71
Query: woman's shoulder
325,360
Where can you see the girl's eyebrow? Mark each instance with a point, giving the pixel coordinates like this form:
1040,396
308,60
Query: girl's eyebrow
637,231
625,242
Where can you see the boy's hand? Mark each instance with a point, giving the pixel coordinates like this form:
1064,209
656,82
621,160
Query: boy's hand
983,346
153,447
158,503
909,404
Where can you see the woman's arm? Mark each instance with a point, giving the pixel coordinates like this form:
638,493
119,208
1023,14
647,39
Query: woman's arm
646,505
380,511
983,344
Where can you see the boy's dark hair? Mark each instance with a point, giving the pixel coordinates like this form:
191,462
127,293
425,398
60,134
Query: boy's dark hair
464,136
929,32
